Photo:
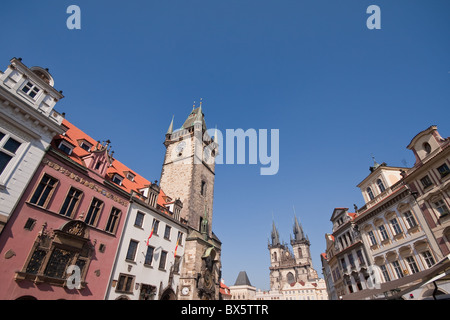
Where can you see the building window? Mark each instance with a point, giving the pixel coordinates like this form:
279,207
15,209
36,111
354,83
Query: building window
426,182
29,225
360,257
8,148
441,207
162,260
65,147
343,264
30,89
410,219
50,259
180,238
428,258
149,256
396,226
443,170
125,283
94,209
86,145
203,188
176,265
117,179
385,273
167,232
44,191
132,249
384,234
351,260
380,185
398,269
139,221
71,203
373,240
113,220
155,226
412,264
370,193
130,176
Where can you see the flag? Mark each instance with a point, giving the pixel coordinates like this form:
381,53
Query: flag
151,233
176,247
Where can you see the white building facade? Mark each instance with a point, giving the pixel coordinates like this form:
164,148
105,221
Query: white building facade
148,268
28,122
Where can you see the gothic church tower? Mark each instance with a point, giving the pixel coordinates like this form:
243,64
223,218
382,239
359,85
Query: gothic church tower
188,174
289,267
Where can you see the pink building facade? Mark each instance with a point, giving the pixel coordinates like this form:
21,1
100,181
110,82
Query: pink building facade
71,215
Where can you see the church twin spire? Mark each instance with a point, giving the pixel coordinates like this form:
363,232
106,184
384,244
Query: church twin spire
299,235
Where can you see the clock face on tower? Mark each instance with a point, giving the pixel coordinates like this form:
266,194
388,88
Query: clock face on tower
185,290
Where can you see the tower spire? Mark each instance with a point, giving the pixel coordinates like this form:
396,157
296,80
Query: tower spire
275,236
170,130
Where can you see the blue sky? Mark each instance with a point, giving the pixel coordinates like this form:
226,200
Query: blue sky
337,91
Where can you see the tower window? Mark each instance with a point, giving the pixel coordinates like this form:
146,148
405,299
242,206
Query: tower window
380,185
370,193
203,188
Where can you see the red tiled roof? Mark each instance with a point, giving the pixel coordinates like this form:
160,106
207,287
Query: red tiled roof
74,136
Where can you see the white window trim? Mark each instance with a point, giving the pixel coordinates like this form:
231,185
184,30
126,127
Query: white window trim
26,95
66,144
16,159
118,177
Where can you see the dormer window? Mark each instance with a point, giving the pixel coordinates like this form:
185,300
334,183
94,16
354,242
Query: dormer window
86,145
30,89
117,179
65,147
130,176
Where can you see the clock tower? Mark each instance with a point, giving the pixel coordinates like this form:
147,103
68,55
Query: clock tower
188,173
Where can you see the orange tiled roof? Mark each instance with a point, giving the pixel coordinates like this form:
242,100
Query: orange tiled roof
74,136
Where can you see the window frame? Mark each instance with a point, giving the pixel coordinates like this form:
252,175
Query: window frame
426,182
75,207
446,171
115,214
370,193
134,252
15,156
443,205
67,145
49,195
31,89
97,213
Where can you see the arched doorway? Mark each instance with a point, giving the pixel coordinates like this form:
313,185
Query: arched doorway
168,294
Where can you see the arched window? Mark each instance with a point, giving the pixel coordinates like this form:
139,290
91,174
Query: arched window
380,185
290,278
370,193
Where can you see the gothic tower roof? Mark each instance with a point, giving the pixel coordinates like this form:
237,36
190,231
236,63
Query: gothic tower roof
195,115
275,236
298,231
